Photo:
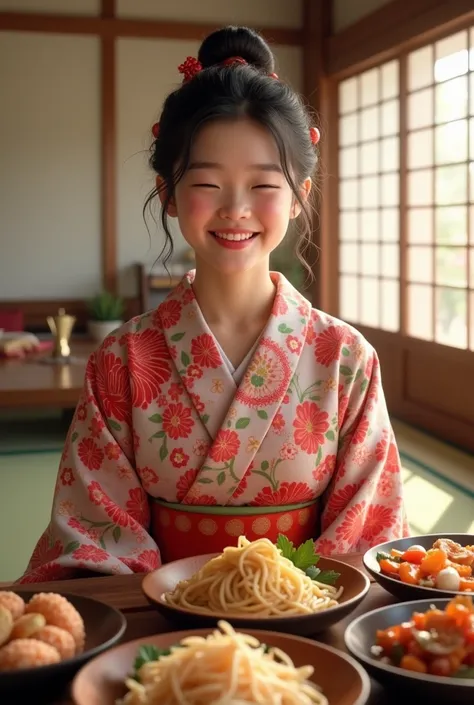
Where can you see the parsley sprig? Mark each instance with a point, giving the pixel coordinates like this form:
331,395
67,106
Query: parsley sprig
306,559
146,653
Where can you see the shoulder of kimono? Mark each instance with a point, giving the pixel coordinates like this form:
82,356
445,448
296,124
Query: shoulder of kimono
118,341
353,338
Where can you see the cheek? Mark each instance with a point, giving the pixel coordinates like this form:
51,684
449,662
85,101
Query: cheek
274,206
197,205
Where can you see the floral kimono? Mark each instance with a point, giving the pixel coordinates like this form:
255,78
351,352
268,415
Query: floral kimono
173,452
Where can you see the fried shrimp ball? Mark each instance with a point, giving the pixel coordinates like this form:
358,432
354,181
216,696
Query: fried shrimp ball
27,625
60,639
59,612
12,602
6,624
27,653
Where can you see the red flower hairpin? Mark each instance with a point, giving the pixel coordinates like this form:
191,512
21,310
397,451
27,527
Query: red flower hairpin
156,130
314,134
190,68
234,60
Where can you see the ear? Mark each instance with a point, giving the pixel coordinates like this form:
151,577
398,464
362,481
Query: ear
171,210
304,191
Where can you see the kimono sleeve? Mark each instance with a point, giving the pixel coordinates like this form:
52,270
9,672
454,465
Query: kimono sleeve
100,515
363,504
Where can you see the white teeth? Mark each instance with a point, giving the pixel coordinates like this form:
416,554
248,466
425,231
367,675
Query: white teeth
233,236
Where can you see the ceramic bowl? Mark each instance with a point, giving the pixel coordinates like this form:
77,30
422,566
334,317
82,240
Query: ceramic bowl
356,586
402,590
414,687
343,681
104,626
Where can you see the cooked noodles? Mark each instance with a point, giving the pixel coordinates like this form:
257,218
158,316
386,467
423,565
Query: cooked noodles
225,667
252,580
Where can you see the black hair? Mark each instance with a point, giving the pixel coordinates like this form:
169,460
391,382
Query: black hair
238,90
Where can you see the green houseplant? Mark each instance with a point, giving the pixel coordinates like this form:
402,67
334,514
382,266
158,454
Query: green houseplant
105,314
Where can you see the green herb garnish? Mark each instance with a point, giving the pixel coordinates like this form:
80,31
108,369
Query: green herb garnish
147,653
381,556
306,559
465,673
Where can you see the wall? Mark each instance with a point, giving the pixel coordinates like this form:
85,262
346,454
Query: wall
51,210
348,12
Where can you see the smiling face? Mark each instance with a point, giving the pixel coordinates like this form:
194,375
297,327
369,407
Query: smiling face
234,202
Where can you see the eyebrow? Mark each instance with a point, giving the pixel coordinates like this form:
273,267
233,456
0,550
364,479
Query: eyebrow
252,167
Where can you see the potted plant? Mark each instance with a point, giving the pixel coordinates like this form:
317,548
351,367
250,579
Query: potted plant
105,315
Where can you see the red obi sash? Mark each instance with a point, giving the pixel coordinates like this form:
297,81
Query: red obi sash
184,530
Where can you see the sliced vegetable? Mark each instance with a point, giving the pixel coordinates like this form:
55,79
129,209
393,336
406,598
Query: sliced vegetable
415,554
409,573
434,561
389,566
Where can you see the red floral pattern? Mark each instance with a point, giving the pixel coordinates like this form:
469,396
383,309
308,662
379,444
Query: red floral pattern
113,387
225,447
310,425
148,364
90,453
327,347
160,417
289,493
205,352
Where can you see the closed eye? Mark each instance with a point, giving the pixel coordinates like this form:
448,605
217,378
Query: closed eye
205,186
266,186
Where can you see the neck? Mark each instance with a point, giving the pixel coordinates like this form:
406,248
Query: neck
234,299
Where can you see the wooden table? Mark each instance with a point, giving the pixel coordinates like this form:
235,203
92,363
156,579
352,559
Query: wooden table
29,382
124,593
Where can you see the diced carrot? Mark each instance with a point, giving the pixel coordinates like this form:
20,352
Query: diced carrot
437,619
409,573
389,567
419,620
406,633
414,556
433,562
387,638
460,613
412,663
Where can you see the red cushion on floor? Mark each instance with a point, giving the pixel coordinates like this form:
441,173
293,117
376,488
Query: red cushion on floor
11,320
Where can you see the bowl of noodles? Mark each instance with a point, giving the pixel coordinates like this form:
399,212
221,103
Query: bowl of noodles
257,584
222,666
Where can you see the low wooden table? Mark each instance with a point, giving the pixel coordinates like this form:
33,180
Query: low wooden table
28,382
124,593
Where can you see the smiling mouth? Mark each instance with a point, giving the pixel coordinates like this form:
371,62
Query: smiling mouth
233,237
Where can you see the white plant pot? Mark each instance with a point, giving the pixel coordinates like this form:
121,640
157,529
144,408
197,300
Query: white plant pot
99,330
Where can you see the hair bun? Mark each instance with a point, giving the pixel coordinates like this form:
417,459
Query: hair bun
236,41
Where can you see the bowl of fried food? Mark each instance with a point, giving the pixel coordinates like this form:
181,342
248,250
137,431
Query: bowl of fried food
45,637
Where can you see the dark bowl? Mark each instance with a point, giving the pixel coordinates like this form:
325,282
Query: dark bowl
101,682
417,687
104,626
402,590
355,582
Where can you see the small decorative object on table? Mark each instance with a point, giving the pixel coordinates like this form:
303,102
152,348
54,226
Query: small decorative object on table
105,315
61,327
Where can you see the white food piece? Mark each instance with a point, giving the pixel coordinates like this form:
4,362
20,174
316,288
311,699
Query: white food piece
448,579
415,547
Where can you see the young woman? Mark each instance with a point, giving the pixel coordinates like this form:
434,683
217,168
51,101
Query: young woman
234,407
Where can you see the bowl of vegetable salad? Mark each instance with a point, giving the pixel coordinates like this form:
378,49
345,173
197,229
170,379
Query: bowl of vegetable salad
420,566
425,647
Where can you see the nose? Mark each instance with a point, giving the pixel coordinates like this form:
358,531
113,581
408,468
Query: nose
234,207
